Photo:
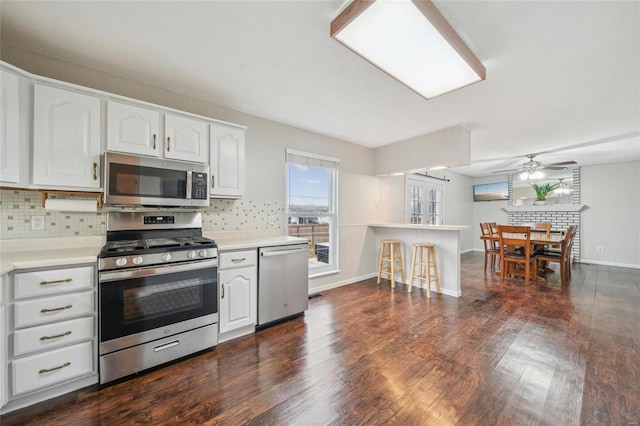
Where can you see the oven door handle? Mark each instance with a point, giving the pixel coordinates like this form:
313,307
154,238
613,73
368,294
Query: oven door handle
107,276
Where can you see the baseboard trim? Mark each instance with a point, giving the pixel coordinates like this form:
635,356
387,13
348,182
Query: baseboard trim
605,263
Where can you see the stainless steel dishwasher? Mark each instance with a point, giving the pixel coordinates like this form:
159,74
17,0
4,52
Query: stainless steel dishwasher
283,282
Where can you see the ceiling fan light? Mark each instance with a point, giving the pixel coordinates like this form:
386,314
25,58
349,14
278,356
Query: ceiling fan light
537,175
524,175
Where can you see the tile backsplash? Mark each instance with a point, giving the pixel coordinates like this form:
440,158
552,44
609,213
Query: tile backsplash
18,206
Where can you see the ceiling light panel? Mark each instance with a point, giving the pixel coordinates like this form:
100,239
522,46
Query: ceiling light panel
411,41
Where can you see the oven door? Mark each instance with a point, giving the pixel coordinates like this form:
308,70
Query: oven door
146,304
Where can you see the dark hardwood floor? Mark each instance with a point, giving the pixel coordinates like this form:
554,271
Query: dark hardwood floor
502,354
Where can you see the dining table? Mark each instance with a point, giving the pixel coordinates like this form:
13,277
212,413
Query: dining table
539,238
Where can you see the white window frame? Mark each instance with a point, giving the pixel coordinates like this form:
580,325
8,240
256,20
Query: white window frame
427,184
315,160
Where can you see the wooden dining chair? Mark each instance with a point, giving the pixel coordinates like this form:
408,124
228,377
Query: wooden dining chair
546,226
491,249
517,252
561,256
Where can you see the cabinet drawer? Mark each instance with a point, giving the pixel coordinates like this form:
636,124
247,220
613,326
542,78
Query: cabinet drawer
52,335
238,259
40,283
45,369
50,309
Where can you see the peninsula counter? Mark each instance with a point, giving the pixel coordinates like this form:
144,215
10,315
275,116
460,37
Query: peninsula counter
447,241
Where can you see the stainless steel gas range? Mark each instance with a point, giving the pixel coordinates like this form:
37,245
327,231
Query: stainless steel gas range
158,296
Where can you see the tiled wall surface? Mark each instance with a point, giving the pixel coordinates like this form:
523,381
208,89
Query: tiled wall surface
18,206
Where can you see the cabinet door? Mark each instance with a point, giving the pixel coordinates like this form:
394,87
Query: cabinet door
9,128
3,357
238,291
132,129
185,139
66,138
227,161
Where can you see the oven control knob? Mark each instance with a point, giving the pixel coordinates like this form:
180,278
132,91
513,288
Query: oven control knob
166,257
202,253
121,262
137,260
191,254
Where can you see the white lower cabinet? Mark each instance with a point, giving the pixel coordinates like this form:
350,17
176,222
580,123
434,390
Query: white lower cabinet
51,367
50,345
238,292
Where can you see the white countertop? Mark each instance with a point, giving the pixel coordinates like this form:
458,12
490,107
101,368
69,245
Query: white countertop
55,252
425,227
251,243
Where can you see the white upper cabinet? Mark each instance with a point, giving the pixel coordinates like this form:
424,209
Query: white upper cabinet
227,161
9,128
66,138
186,139
133,129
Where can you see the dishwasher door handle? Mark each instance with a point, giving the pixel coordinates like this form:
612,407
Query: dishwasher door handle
281,252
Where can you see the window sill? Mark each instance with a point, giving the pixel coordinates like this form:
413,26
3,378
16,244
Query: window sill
324,274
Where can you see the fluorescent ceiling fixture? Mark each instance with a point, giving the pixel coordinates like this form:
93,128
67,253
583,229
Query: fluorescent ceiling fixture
411,41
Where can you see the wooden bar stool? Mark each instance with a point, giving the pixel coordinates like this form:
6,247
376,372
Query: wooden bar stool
424,257
390,253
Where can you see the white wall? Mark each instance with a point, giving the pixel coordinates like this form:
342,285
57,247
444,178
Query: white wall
487,211
612,219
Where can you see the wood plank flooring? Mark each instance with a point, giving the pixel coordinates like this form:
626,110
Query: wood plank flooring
502,354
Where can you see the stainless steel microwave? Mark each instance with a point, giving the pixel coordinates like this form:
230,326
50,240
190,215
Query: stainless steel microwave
146,181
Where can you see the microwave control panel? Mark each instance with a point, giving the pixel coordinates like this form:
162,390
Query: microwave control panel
199,185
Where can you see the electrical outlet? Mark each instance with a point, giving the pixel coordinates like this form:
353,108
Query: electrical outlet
37,223
600,249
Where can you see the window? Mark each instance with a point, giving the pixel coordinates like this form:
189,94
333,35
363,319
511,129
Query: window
312,207
424,201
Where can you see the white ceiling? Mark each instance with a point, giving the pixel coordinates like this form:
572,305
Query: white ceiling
563,78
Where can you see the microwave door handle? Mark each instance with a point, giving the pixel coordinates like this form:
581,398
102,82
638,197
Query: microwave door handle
189,184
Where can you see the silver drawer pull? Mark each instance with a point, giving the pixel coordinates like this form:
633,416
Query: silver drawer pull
68,280
166,345
45,310
239,260
66,333
47,370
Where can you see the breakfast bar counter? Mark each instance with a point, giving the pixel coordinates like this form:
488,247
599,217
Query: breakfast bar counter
447,241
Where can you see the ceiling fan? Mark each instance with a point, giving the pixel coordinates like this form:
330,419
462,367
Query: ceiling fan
531,169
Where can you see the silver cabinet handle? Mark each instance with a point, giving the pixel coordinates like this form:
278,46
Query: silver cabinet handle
222,296
239,260
68,280
168,143
45,310
154,141
46,370
66,333
95,171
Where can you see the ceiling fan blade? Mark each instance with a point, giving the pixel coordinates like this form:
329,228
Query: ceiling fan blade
507,171
554,168
563,163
